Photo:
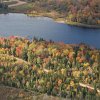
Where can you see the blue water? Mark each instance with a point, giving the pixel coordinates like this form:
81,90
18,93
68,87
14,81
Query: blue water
22,25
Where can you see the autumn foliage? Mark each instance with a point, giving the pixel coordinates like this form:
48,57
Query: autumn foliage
48,67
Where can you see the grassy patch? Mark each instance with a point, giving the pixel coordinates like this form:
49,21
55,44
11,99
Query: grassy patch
10,2
22,8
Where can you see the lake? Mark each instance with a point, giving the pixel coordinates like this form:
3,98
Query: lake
47,28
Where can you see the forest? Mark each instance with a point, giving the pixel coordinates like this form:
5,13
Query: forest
81,11
57,69
37,69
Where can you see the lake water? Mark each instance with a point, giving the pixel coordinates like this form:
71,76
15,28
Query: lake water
43,27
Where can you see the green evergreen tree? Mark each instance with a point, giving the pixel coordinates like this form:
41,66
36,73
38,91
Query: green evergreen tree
24,54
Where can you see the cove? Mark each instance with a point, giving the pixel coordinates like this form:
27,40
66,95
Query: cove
47,28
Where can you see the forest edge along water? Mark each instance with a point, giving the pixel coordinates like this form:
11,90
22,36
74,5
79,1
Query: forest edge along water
44,27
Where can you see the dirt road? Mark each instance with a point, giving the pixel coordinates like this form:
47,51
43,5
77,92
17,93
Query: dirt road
17,4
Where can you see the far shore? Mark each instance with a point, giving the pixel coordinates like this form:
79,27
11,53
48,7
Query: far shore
62,20
57,19
18,6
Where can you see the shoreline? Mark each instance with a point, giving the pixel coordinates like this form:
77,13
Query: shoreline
78,24
56,42
58,20
63,21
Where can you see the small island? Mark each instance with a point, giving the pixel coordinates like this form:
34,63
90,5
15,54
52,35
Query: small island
45,67
72,12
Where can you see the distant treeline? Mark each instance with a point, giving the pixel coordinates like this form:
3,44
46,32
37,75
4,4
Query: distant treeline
82,11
